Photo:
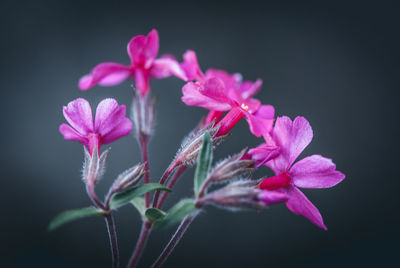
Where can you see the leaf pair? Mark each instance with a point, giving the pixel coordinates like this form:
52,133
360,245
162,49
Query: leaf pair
176,214
117,200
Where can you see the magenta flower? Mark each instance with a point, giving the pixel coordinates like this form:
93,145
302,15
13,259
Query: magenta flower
311,172
214,96
109,125
142,51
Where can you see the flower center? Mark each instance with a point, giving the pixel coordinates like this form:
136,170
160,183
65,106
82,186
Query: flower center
279,181
244,107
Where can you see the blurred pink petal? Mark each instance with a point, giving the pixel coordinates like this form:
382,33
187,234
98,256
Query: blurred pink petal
105,74
143,50
165,67
191,67
79,115
315,171
299,204
248,89
258,126
142,81
272,197
263,153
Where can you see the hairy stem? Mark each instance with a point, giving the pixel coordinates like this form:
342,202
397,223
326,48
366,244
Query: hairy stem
171,184
144,141
113,239
141,244
174,240
163,179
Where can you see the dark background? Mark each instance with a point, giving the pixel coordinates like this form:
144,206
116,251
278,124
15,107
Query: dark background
335,63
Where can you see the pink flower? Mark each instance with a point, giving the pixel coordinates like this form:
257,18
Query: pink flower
142,51
109,125
219,91
311,172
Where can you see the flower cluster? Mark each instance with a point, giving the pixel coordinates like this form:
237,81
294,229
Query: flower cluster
228,98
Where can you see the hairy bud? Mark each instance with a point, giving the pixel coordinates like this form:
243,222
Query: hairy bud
242,195
129,178
93,167
230,168
191,145
143,115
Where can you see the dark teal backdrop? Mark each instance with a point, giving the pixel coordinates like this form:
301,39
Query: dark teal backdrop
336,63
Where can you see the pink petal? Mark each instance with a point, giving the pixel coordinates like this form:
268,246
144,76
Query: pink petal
265,111
315,171
292,138
108,115
299,204
263,153
192,96
164,67
122,129
214,88
229,80
144,49
258,126
79,115
105,74
248,89
71,134
191,67
142,81
272,197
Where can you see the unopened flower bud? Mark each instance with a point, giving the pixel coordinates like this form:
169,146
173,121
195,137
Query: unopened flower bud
143,115
93,167
236,195
129,178
230,168
191,145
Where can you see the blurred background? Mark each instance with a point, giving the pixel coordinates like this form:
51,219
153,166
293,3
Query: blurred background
336,63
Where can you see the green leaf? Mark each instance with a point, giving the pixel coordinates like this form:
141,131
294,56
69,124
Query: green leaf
120,199
71,215
176,213
203,163
154,214
139,204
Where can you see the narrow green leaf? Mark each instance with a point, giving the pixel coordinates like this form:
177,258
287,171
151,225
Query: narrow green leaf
120,199
176,213
71,215
154,214
139,204
203,163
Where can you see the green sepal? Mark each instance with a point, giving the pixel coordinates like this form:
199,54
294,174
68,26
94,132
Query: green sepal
203,163
176,213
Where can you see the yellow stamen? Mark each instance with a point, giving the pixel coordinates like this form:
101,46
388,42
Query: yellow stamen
244,107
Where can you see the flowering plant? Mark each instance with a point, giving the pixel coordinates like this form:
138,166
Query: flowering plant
228,99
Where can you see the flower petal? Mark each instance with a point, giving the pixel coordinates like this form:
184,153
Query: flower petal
299,204
215,88
142,81
143,50
263,153
258,126
122,129
315,171
292,138
272,197
105,74
79,115
164,67
192,96
248,89
191,67
71,134
108,115
231,81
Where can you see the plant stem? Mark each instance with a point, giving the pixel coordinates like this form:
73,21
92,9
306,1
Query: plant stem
174,240
113,239
165,176
141,244
143,140
93,197
171,184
